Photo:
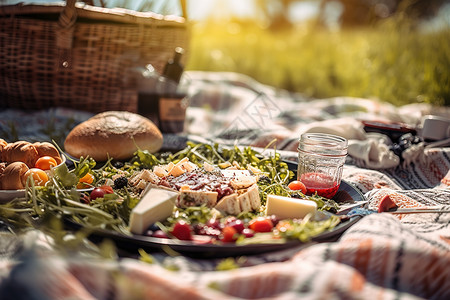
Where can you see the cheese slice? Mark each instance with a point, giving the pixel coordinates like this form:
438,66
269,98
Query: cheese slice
243,181
156,205
234,173
289,208
176,171
229,205
197,198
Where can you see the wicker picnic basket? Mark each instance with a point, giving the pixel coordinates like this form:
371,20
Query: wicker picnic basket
80,56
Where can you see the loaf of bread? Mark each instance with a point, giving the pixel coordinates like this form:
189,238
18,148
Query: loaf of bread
113,134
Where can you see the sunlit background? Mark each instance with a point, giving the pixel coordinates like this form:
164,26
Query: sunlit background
395,51
392,50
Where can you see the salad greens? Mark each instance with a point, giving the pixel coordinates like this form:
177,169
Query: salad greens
62,195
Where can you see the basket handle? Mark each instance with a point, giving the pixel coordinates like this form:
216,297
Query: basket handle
68,18
66,23
184,8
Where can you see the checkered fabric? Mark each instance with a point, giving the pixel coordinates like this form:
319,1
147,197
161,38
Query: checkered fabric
383,256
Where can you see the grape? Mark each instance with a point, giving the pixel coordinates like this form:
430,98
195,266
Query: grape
238,225
248,233
214,223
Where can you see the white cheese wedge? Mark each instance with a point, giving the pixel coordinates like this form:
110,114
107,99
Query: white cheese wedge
190,198
182,161
289,208
176,171
234,173
229,205
160,171
156,205
243,182
253,195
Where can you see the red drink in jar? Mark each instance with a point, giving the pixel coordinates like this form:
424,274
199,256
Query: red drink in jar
321,159
320,183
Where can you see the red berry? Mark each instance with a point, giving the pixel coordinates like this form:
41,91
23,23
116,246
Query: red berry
248,233
214,223
238,225
182,231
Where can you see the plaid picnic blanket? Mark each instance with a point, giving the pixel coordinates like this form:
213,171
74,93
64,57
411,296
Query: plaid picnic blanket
382,256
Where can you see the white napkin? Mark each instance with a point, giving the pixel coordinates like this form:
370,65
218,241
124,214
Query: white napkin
415,153
373,153
348,128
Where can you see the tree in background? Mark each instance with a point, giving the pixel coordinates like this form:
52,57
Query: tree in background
367,12
354,12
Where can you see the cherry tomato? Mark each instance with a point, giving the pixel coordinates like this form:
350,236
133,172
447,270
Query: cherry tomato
261,224
97,193
85,181
297,186
45,163
229,234
182,231
88,178
108,189
39,176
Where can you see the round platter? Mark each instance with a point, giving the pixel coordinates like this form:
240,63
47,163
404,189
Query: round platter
133,242
346,194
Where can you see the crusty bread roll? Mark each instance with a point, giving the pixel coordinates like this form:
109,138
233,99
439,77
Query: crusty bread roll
3,144
13,176
113,134
27,152
47,149
20,151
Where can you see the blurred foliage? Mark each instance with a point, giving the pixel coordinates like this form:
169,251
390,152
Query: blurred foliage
379,52
393,61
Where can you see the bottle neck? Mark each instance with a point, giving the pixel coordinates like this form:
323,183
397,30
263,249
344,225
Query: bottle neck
173,68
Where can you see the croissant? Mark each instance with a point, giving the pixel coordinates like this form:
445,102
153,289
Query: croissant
26,152
3,144
47,149
20,151
13,176
2,167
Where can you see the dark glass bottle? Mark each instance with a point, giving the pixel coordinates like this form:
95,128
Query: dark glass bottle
173,68
148,97
172,101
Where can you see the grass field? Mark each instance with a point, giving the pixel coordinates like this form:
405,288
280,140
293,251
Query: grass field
391,62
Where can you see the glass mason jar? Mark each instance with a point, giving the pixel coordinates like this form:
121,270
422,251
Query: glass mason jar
321,159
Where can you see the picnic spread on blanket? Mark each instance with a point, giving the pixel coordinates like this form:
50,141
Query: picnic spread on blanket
373,253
